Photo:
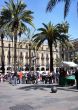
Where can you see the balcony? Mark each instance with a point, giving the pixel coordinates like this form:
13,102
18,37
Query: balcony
42,57
47,58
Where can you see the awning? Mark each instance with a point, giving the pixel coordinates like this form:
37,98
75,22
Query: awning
68,64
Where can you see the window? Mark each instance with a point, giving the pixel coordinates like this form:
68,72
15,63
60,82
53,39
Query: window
42,48
42,56
47,57
32,54
9,45
26,46
47,48
37,56
26,54
21,56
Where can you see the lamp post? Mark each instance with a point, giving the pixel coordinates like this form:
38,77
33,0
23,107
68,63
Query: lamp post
2,58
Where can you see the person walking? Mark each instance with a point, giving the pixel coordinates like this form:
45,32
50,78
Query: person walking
14,79
57,75
76,77
50,77
20,74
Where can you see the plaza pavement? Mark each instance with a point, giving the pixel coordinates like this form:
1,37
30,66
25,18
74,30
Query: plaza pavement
37,97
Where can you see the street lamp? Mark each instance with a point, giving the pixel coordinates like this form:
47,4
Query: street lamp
2,58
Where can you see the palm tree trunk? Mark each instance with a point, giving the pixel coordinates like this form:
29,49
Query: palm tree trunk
9,53
12,53
3,69
15,47
29,55
51,58
18,52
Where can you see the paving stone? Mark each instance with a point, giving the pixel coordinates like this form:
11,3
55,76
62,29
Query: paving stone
37,97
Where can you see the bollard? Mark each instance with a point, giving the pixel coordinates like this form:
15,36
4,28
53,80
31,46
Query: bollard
53,89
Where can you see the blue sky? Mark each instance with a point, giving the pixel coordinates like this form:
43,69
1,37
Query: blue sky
56,16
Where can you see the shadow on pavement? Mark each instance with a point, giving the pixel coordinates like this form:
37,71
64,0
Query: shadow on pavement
35,87
69,88
44,86
21,107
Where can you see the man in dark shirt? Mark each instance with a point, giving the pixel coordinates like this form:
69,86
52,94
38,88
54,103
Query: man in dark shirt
76,76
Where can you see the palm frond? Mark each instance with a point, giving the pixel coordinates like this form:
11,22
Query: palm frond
27,17
14,13
21,6
52,4
46,27
66,8
42,30
6,14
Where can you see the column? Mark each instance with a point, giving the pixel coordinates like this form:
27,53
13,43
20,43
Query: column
45,59
24,60
6,59
40,59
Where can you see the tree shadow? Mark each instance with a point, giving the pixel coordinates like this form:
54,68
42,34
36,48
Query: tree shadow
34,87
69,88
44,86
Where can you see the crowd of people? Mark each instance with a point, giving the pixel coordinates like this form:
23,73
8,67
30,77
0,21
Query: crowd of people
58,77
22,78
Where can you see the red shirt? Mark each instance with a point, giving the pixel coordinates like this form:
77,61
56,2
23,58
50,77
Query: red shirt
20,74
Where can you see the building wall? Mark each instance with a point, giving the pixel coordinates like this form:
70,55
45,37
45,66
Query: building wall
42,55
69,53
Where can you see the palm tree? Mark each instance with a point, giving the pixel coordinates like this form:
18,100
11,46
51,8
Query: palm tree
53,3
53,35
14,15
